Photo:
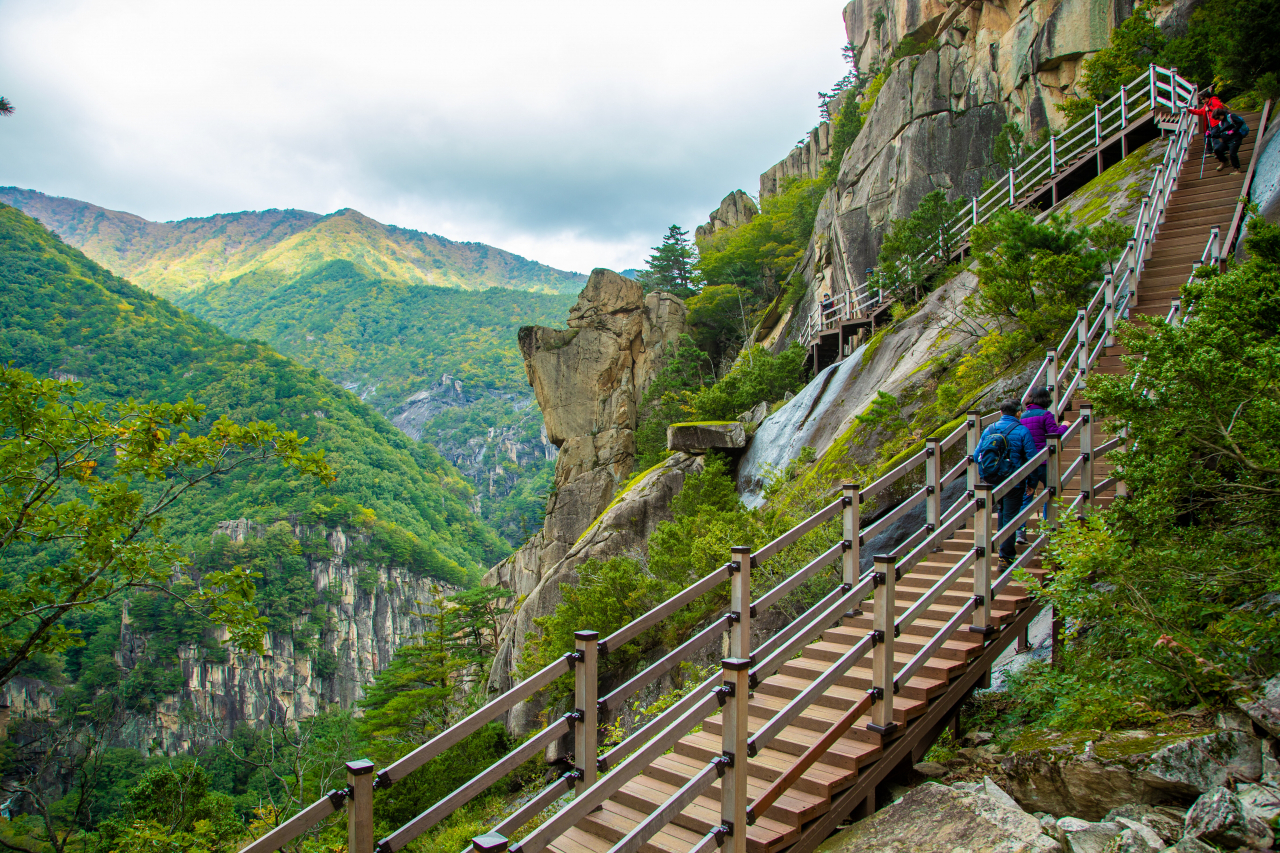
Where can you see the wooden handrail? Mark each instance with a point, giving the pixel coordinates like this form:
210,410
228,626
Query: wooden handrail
809,524
936,591
669,810
931,648
819,748
638,626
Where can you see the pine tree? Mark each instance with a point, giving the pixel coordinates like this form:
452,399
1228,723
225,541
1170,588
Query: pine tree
671,266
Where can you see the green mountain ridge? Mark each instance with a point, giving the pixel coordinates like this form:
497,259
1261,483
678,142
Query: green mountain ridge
172,258
63,314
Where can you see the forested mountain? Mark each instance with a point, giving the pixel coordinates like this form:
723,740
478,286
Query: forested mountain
385,312
170,258
62,314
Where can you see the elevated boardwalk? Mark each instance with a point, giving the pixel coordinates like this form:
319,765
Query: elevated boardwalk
792,736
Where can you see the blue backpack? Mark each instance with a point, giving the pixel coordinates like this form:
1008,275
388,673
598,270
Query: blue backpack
995,462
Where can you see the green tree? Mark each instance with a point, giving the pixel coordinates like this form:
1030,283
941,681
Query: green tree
6,108
83,494
672,265
1134,45
1007,151
1032,277
914,247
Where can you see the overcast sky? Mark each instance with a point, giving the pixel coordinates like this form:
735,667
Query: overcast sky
570,132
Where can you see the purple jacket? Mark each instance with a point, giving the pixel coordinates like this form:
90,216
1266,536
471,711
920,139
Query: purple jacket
1041,423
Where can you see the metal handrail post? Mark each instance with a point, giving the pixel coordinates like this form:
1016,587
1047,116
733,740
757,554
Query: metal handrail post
984,530
1053,155
852,520
360,806
1097,125
883,628
1013,198
733,743
1051,377
740,603
1151,85
932,481
1086,453
1124,107
972,434
586,687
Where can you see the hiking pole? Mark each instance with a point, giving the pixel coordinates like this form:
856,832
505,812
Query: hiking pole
1204,149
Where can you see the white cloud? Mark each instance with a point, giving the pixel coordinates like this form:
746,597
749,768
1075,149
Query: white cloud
572,132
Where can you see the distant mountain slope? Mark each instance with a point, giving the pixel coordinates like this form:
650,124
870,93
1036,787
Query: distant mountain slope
60,311
172,258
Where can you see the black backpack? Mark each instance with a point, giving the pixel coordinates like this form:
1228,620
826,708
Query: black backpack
994,457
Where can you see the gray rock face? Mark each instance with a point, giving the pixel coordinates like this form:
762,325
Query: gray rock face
589,380
1219,818
1164,822
736,209
1263,707
936,817
1081,836
1196,765
701,437
1260,801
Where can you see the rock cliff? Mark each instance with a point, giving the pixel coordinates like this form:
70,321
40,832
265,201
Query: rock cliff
589,380
736,209
364,613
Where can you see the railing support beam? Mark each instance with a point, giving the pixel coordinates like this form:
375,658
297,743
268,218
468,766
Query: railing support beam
972,434
1087,478
586,728
740,603
1051,378
882,666
984,529
932,481
1053,480
852,521
733,741
360,806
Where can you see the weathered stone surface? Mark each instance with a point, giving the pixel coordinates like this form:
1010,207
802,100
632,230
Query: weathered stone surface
1138,837
1188,844
1163,821
931,769
1219,818
736,209
1196,765
589,380
1081,836
711,435
1263,707
1145,769
1260,801
756,415
1133,841
936,817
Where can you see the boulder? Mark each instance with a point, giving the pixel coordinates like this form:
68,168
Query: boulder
1131,841
1164,822
755,415
936,817
707,435
1081,836
1139,838
1189,844
931,769
1199,764
1260,801
1219,818
977,738
1263,707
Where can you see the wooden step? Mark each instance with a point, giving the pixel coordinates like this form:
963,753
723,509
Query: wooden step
614,820
823,778
645,794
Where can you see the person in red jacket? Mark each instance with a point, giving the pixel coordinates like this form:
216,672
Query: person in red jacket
1208,104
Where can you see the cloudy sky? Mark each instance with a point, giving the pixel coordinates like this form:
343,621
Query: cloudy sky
570,132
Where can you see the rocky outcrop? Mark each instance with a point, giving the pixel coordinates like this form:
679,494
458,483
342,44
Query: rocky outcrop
589,380
364,613
736,209
807,159
701,437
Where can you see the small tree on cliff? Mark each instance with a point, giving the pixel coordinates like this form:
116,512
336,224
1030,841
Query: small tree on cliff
671,266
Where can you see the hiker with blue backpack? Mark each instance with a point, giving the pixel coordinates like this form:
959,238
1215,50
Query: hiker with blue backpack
1005,447
1041,423
1227,135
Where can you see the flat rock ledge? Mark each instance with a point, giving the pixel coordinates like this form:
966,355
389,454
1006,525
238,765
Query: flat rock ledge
708,435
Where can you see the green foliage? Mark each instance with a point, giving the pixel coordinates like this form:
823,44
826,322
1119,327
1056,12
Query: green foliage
758,376
916,246
672,266
844,130
172,809
1032,277
686,370
1007,150
61,312
1235,43
1134,45
1172,591
83,493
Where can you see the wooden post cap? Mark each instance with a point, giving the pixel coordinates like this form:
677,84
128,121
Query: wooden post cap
490,842
360,767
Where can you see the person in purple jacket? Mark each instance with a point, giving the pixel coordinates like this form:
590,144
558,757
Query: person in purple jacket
1041,423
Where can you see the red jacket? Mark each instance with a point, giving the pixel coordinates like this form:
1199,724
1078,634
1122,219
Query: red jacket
1207,121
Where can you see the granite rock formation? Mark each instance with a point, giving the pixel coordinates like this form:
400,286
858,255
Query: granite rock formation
735,209
589,380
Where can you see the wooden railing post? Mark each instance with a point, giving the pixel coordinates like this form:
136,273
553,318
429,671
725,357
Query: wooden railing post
1082,338
1097,125
1051,378
1086,452
733,743
1053,155
586,727
972,434
975,210
1151,85
1053,480
490,842
984,531
740,603
852,520
360,806
1012,195
1109,305
882,629
932,481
